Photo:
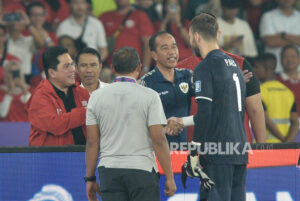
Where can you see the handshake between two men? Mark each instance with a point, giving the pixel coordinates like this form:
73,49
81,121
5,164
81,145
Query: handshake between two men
191,168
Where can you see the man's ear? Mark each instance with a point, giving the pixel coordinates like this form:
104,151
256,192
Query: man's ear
139,68
100,66
154,55
219,35
197,37
51,73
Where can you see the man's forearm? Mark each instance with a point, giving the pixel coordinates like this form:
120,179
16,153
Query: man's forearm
91,157
36,36
161,149
162,152
256,116
92,149
293,131
146,52
295,39
273,128
275,41
202,119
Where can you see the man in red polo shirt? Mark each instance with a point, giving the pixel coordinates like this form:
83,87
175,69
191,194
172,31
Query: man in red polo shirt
136,30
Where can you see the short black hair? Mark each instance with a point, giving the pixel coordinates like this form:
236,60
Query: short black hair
65,37
231,4
50,57
152,44
34,4
267,57
205,24
290,46
125,60
88,50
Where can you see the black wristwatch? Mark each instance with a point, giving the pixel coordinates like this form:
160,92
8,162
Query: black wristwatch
282,35
92,178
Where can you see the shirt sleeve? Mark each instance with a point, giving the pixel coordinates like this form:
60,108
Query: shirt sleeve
91,118
252,87
101,40
203,82
294,107
156,114
266,25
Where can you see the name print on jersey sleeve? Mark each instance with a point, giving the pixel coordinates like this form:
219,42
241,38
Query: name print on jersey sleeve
230,62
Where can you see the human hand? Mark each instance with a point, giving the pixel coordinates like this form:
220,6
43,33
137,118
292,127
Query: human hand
91,189
247,75
174,126
170,187
25,19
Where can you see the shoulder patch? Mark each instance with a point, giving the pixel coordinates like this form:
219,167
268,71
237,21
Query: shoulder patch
198,86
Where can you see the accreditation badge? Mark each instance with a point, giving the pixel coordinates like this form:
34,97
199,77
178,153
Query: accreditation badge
184,87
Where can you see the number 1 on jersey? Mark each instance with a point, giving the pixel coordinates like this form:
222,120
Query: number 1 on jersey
238,90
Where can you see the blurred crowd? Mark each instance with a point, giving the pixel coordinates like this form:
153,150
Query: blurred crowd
266,32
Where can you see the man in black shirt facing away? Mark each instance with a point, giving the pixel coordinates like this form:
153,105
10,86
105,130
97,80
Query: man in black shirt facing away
219,124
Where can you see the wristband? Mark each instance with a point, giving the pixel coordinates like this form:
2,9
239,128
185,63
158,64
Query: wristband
48,41
188,121
282,35
92,178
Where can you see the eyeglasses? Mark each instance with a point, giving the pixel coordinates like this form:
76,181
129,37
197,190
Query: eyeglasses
37,14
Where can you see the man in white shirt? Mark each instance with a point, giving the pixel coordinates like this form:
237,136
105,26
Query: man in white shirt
280,27
89,66
21,46
236,34
94,33
125,124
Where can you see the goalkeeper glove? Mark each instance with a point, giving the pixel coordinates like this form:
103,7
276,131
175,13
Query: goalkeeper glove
191,168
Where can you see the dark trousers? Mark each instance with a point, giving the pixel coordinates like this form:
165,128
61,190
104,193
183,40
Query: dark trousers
230,183
118,184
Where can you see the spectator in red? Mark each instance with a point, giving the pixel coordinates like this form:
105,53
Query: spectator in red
135,32
57,108
253,98
290,60
175,23
254,10
37,15
14,5
14,94
59,11
4,56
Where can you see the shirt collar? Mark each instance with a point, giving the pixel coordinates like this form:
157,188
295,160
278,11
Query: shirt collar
160,77
60,93
73,21
285,77
99,85
125,79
